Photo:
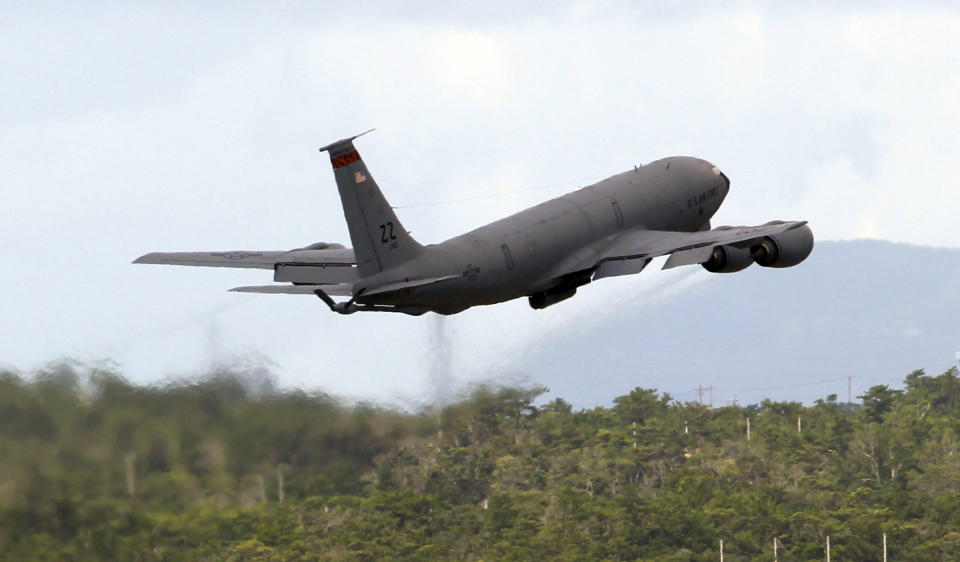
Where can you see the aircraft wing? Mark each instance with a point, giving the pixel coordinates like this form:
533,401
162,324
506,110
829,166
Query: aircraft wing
654,243
326,266
251,258
629,252
238,258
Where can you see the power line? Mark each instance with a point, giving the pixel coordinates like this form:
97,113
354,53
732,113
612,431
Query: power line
498,194
699,390
798,385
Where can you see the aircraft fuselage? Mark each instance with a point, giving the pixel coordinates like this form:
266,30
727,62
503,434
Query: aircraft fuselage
521,255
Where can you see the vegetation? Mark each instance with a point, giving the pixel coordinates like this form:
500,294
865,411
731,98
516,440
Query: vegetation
93,467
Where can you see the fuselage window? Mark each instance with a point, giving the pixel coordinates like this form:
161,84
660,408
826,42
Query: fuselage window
617,213
507,256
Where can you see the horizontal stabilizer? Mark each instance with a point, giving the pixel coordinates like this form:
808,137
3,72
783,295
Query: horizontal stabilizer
341,290
403,285
344,141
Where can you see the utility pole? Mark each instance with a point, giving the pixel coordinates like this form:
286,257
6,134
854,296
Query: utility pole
279,485
700,394
849,392
710,388
128,461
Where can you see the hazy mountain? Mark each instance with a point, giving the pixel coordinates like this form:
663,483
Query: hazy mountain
870,310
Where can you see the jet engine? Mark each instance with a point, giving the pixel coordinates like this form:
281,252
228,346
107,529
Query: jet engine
728,259
563,290
544,299
786,249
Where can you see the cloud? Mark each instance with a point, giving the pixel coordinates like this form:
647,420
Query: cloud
138,129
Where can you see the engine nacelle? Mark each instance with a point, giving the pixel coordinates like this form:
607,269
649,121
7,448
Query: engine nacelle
786,249
543,299
565,288
728,259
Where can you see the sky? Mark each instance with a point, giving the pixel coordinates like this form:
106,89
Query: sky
134,127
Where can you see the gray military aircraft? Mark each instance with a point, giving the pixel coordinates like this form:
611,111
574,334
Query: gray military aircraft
613,227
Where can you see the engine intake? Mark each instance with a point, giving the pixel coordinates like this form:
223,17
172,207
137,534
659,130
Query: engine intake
786,249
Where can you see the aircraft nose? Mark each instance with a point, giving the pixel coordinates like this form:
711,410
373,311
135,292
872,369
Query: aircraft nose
724,180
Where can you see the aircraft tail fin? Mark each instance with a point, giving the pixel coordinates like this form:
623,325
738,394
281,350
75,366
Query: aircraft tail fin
379,240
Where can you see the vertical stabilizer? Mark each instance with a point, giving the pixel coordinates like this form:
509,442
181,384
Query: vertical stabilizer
379,240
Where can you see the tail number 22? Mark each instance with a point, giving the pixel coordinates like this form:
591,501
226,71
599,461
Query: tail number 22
386,232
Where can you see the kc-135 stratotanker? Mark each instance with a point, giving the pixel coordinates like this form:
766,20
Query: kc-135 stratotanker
613,227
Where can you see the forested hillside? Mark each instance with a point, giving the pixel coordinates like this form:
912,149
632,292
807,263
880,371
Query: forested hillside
93,467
